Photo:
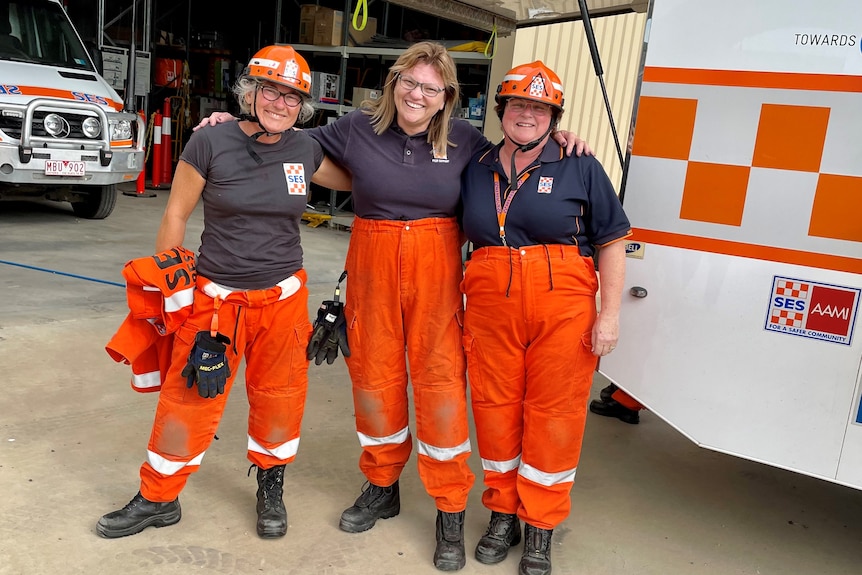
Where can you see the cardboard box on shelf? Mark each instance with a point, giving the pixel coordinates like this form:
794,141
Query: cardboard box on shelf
324,87
307,14
328,24
327,27
360,94
359,37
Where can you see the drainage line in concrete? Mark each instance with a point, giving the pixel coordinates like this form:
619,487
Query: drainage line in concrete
62,273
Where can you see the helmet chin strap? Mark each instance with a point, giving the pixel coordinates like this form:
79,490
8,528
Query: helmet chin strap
254,137
524,148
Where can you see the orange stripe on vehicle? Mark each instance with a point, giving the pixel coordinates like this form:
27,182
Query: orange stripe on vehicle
746,79
754,251
121,143
63,95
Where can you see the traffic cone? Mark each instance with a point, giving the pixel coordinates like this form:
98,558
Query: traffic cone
140,184
167,154
158,166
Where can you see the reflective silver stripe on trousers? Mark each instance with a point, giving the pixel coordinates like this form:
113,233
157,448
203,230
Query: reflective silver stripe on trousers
284,451
168,467
394,439
501,466
443,453
545,478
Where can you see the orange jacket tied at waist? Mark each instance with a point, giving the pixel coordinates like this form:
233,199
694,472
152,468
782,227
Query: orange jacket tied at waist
160,291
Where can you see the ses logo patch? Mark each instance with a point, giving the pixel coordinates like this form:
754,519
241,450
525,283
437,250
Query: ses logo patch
294,176
812,309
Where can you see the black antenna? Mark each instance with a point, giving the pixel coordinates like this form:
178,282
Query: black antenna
597,65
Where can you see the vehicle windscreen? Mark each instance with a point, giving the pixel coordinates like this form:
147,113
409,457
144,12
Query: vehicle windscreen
38,31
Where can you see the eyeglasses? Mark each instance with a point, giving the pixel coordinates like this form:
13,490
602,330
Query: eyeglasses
428,90
536,108
291,99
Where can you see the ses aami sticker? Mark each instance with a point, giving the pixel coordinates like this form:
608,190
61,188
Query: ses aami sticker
812,309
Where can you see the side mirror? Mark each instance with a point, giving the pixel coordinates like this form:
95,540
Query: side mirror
95,55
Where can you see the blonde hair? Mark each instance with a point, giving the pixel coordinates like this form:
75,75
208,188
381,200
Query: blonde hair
383,111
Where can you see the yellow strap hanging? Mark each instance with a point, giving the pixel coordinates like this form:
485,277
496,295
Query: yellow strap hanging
491,46
361,7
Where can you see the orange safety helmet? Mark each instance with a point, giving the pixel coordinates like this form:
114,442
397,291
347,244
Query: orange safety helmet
281,65
533,81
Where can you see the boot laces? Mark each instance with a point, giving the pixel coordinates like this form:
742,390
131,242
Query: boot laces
136,500
451,526
371,493
500,525
270,481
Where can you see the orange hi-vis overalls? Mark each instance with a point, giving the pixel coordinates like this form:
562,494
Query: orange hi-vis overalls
403,292
270,328
527,334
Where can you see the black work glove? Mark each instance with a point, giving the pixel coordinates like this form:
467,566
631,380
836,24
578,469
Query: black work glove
330,334
207,364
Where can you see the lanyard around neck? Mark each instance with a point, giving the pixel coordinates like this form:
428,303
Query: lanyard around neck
503,208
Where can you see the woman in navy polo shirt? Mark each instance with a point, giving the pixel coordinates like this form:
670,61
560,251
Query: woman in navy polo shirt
531,332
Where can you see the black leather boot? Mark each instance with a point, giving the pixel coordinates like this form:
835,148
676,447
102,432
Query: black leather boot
607,393
375,503
536,559
613,408
449,554
503,531
271,514
137,515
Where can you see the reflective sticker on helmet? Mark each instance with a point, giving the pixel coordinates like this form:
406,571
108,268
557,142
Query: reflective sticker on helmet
291,69
265,62
537,87
294,175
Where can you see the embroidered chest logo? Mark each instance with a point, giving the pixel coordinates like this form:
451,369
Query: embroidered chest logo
438,156
546,183
294,175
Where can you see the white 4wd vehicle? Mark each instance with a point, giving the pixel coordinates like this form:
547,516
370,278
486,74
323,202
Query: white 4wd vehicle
63,134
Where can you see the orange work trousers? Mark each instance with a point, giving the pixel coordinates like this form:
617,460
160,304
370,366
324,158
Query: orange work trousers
271,333
527,335
626,400
404,311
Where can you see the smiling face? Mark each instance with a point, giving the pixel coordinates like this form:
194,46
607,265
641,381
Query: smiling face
525,120
415,109
275,116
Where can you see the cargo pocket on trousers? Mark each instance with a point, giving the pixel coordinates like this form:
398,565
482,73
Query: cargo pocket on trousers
583,368
354,363
474,367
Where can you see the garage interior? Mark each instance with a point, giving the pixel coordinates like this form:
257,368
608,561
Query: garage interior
195,51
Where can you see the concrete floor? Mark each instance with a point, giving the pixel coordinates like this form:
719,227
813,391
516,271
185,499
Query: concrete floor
73,434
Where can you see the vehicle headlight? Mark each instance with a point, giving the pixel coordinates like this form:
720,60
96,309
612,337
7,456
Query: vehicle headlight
91,127
55,125
121,130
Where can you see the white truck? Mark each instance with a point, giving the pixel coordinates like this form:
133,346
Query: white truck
63,133
744,188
